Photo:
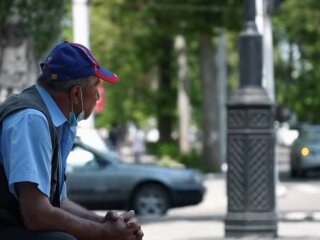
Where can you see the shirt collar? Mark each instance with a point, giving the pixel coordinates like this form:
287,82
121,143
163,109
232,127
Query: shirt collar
57,116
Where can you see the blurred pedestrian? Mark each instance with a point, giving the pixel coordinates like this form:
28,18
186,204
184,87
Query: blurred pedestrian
139,144
113,136
38,128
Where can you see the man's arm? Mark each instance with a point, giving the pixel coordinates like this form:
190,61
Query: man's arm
38,214
80,211
127,217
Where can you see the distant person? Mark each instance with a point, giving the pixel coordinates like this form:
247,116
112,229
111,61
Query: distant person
139,144
38,128
113,136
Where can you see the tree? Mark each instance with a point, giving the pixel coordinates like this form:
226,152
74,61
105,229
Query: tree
183,105
27,29
145,31
297,57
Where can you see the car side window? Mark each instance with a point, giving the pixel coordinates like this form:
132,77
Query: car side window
79,157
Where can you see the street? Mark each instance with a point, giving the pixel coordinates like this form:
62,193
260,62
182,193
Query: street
297,203
302,196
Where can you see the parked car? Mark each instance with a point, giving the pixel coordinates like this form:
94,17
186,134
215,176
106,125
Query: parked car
305,151
98,179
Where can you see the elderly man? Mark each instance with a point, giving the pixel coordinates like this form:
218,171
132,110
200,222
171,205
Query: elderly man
38,128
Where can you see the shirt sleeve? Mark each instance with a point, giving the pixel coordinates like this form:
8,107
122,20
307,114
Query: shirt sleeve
27,149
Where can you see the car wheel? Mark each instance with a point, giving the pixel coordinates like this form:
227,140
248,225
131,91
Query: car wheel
151,200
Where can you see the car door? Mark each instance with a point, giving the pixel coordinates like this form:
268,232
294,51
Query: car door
92,181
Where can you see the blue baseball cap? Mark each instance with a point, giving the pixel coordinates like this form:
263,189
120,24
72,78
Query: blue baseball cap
69,61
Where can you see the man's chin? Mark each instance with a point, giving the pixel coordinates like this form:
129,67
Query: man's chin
86,117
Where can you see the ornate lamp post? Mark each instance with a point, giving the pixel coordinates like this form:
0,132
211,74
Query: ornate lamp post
250,143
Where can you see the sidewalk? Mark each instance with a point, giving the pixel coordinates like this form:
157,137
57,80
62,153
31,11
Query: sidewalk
206,221
214,229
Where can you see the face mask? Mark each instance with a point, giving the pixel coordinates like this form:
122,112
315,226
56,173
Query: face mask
73,119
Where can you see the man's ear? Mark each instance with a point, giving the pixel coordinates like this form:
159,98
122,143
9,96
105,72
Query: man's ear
74,94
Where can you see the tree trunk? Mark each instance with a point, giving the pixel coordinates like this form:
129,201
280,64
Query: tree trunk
166,95
221,78
210,109
183,95
18,65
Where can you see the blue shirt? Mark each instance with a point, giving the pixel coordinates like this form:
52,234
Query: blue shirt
26,148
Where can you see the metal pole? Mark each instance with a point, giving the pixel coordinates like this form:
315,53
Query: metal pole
81,29
81,34
250,143
264,25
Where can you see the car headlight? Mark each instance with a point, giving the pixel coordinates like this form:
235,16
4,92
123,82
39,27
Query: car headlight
305,151
197,177
188,178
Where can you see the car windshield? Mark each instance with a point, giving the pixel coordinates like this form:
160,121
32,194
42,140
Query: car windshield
93,144
310,132
92,138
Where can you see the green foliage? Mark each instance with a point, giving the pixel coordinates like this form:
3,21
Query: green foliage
38,20
192,160
163,149
297,57
135,39
5,6
169,156
128,38
166,161
115,45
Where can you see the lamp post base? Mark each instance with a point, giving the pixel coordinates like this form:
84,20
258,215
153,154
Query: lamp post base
249,224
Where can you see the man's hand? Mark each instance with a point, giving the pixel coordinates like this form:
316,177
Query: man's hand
130,221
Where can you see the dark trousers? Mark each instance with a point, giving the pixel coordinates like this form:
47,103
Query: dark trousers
20,233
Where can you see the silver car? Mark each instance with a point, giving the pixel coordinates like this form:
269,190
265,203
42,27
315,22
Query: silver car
305,151
99,180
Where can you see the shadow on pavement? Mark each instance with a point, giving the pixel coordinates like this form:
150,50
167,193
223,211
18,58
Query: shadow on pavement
284,176
149,220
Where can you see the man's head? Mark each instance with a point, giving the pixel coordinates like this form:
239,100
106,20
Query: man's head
71,71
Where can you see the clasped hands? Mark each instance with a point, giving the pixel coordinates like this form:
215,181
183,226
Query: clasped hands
127,223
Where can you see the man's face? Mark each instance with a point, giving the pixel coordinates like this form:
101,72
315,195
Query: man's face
90,96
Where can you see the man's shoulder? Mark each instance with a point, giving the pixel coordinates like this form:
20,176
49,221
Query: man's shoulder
28,111
26,114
